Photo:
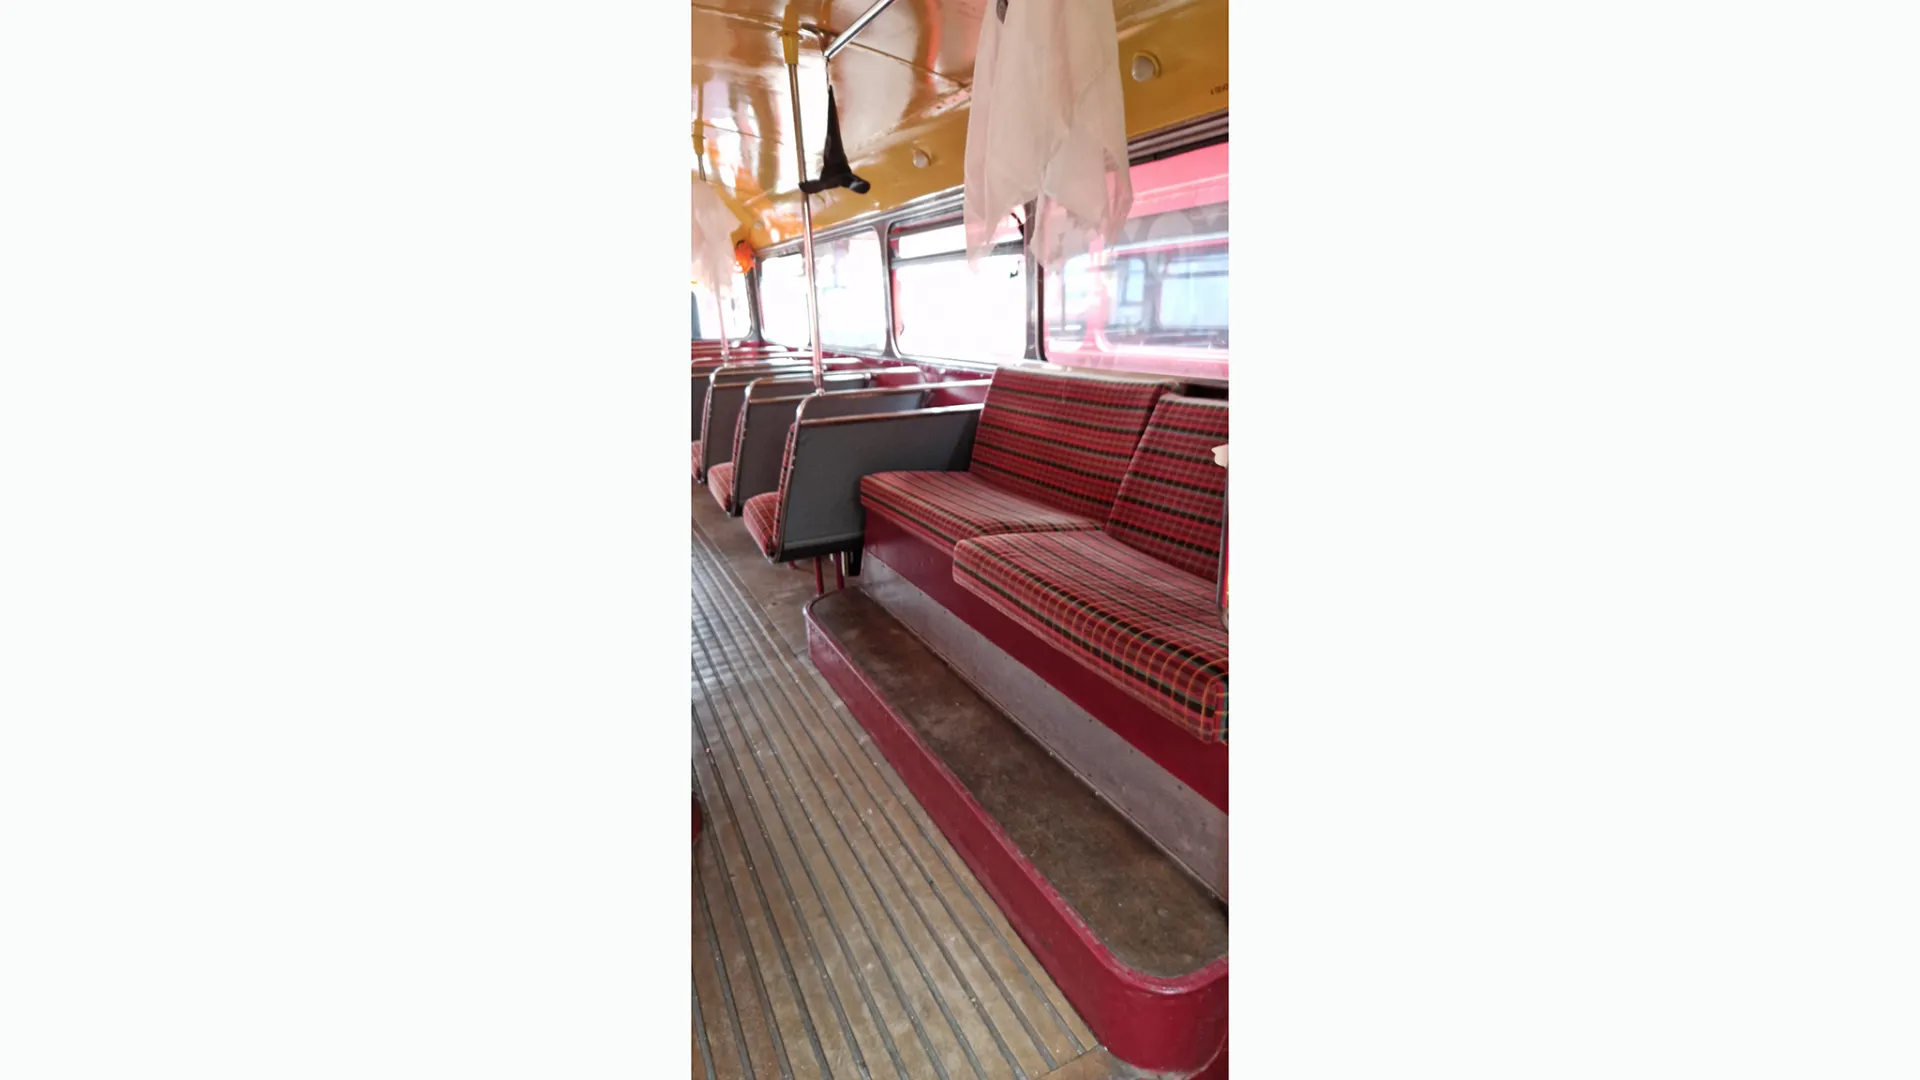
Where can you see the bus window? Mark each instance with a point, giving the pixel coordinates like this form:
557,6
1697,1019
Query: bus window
944,309
849,281
707,314
1156,301
783,301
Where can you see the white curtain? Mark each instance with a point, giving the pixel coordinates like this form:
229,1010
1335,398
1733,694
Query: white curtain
1048,121
713,227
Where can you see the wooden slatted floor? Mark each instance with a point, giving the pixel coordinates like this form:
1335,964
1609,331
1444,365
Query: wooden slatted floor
836,933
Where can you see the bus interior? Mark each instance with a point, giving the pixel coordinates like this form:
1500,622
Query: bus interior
959,561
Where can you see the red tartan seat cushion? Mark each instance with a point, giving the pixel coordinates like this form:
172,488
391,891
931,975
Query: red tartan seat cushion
945,508
696,459
1173,500
1149,628
720,483
760,514
1061,439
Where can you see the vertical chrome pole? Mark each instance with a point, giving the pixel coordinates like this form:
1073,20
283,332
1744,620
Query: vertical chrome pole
790,42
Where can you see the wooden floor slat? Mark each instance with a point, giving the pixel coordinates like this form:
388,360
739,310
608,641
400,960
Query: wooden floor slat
747,956
811,908
836,933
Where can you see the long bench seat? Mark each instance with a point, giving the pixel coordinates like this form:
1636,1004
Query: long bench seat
1137,601
949,507
1091,516
1048,457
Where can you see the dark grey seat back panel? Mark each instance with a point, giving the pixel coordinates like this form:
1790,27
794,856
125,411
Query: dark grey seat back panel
703,380
786,384
723,411
761,433
761,446
730,389
830,456
881,400
748,370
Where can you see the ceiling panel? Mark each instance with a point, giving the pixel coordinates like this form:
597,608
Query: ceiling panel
901,85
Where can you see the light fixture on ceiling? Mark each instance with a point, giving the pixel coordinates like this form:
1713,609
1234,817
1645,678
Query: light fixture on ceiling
1145,66
921,159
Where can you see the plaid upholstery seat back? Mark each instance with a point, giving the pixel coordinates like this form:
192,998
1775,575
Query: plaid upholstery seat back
1173,499
1063,440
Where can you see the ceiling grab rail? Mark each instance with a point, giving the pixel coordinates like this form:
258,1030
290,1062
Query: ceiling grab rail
845,37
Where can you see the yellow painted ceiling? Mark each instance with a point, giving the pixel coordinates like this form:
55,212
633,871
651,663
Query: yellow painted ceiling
901,85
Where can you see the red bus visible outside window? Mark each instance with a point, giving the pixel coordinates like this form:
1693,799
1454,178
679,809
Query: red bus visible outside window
1155,301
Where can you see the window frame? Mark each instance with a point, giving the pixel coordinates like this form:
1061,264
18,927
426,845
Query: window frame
942,217
759,300
886,306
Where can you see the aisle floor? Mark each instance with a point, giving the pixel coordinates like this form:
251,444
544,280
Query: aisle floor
836,933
